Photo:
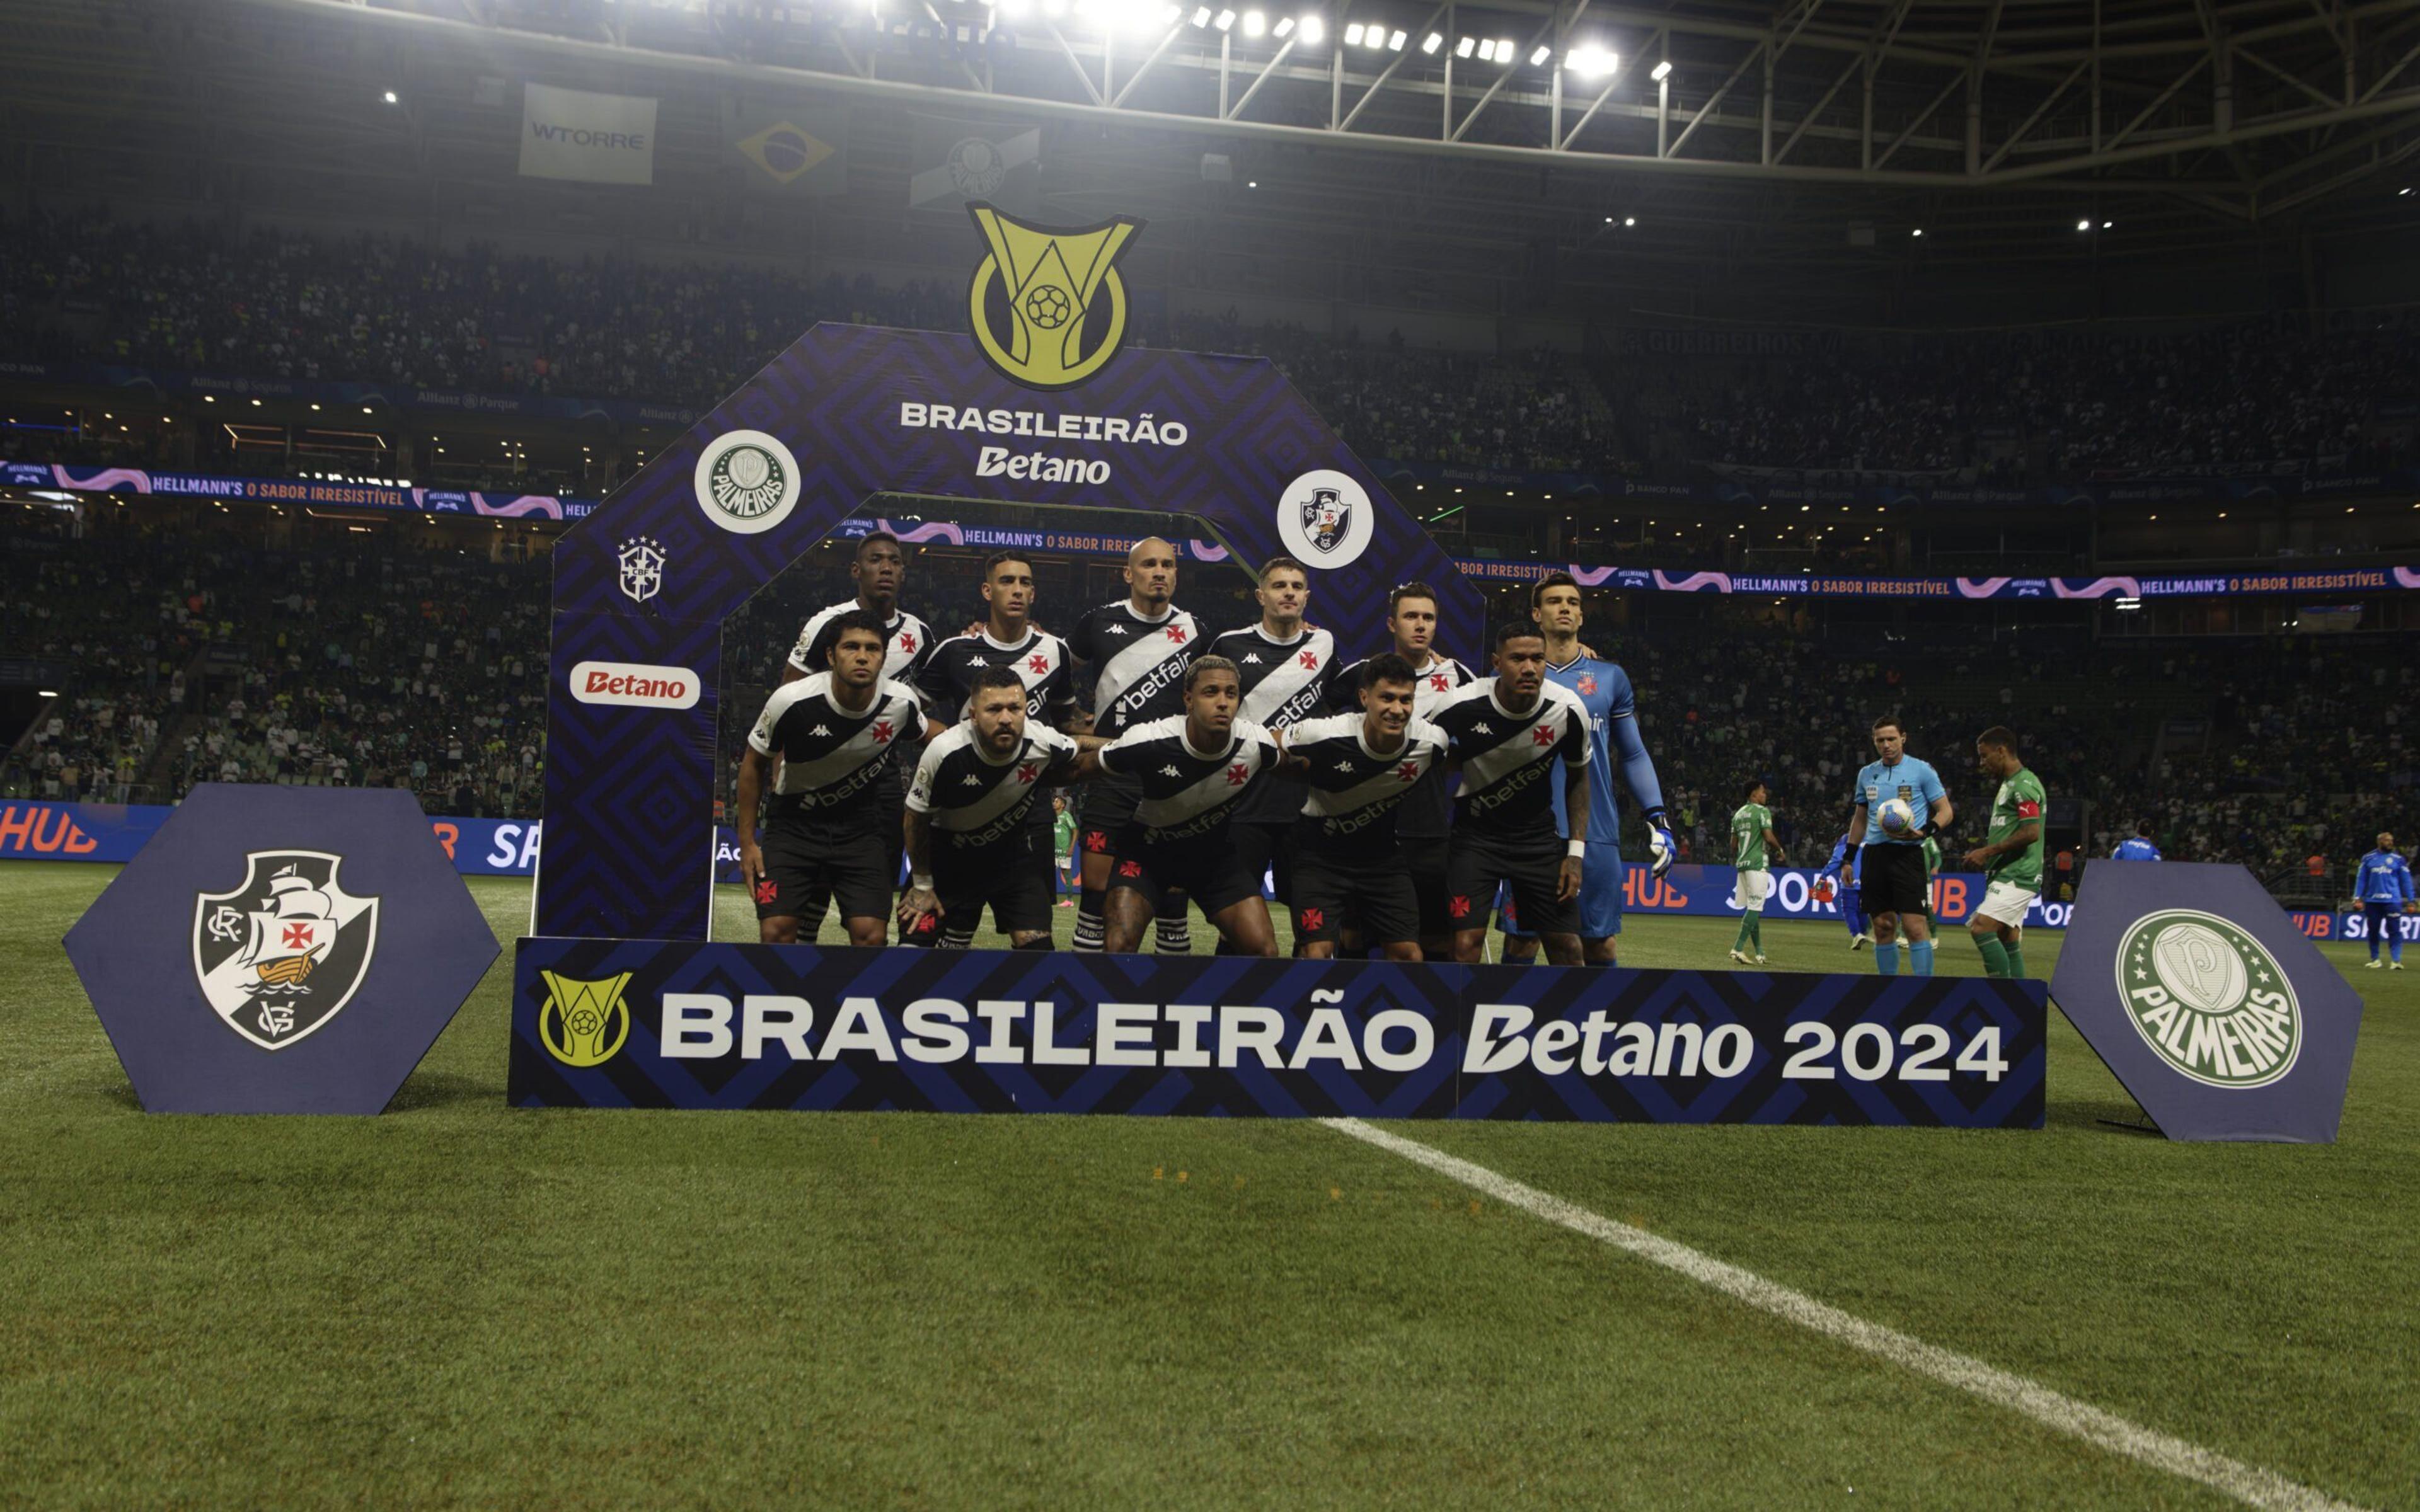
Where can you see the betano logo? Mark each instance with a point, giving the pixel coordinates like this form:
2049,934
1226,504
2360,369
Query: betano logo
634,684
583,1023
1047,307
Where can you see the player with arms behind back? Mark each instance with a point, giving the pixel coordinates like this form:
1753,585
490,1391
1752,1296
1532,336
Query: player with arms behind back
2010,856
1286,665
1755,851
1890,856
1603,688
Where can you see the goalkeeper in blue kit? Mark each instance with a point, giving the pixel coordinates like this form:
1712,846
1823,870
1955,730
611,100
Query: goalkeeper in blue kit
2383,881
1852,912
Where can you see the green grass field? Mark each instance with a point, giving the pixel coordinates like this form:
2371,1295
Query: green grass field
463,1304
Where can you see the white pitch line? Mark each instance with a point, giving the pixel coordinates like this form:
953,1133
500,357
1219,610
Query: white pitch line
2248,1484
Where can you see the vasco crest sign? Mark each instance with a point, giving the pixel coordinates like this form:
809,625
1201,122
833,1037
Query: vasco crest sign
1047,307
285,950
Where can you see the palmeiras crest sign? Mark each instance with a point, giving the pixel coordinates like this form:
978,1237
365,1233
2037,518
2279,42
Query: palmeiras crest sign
282,952
1044,401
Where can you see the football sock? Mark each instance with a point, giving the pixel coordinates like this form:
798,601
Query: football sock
1919,957
1173,936
1995,955
2394,940
2016,958
1740,943
1756,931
2376,939
1886,958
1091,931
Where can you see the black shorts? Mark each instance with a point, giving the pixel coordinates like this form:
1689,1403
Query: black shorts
1424,859
1013,877
1890,880
1108,807
1530,864
1204,866
804,871
1374,892
1263,848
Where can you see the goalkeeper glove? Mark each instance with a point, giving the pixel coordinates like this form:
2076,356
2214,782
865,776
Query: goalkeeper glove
1660,843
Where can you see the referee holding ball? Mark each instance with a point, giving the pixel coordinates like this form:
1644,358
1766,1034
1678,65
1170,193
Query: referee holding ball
1890,857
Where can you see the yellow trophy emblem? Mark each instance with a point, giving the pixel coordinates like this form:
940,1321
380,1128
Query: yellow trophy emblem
1053,282
583,1023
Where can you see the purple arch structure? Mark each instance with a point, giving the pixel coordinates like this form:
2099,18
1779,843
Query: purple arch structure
631,725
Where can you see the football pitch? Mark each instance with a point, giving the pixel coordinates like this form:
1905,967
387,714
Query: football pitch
464,1305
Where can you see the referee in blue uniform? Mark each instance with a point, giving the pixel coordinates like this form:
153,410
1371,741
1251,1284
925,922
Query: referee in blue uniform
1892,883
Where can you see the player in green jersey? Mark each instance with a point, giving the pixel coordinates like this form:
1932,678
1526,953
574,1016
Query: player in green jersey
1755,850
1062,843
2010,857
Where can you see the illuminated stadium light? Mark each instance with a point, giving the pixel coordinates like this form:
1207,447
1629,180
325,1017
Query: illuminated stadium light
1374,37
1352,35
1201,16
1256,24
1630,220
1461,49
390,97
1918,232
2083,225
1226,20
2405,190
1395,41
1285,25
1487,52
255,404
1540,53
1504,50
1662,71
1436,40
2108,225
1314,31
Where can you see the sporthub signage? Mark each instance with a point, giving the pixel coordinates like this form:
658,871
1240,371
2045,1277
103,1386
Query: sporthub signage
2220,1018
1042,399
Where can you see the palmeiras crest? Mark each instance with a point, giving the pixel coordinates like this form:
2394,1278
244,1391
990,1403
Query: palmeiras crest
282,952
1327,516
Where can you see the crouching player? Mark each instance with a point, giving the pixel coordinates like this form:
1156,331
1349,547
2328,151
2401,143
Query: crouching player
969,845
1187,770
1349,862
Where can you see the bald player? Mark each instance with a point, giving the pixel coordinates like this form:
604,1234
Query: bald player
1135,651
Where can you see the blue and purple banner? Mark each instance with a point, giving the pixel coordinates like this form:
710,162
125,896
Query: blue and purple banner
319,492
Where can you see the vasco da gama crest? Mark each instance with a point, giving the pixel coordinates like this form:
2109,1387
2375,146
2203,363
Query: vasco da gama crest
1047,307
284,951
1327,518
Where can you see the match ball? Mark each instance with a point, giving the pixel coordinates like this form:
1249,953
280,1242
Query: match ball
1894,816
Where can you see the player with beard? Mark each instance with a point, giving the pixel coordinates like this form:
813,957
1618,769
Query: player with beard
970,844
835,733
1190,770
1424,818
1360,770
1136,650
1507,733
1286,666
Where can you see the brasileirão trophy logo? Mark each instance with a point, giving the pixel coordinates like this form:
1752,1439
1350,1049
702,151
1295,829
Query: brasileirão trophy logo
1055,284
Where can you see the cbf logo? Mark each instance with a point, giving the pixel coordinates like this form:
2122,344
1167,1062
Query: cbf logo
282,953
747,482
583,1023
1047,307
643,569
2209,998
1325,518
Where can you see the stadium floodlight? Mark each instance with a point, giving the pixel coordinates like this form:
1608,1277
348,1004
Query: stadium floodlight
1226,20
1918,232
1314,31
1630,220
1374,37
1608,220
1201,16
1352,35
1590,62
1504,50
1285,25
1434,40
2083,225
1662,71
1540,53
1395,41
390,97
2108,225
1461,49
255,404
2401,193
1256,24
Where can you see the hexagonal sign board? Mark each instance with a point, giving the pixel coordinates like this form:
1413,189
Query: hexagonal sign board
280,950
2205,1001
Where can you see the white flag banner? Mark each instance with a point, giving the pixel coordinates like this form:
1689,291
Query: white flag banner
962,160
599,139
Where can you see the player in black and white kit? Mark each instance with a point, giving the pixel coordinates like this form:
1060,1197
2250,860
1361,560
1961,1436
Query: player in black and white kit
879,571
1191,769
1008,638
1360,770
971,842
825,837
1286,666
1424,819
1508,732
1135,650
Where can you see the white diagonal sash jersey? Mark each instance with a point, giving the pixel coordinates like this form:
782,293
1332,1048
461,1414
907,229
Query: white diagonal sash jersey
1284,681
831,759
1428,813
975,801
1137,664
1040,662
1355,791
1187,793
1508,759
909,642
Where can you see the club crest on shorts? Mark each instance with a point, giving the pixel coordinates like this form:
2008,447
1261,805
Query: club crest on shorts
643,569
285,950
1325,518
2209,999
1047,307
747,482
